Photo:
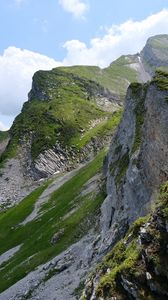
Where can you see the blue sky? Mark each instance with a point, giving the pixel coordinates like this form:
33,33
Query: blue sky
42,34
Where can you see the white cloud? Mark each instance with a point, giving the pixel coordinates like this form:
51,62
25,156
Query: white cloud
126,38
16,70
76,7
3,127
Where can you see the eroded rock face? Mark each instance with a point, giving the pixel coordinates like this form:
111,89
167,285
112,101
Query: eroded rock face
137,160
14,185
155,53
136,268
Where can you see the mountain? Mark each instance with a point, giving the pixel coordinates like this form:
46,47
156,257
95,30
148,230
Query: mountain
66,121
126,69
136,268
155,53
4,139
69,201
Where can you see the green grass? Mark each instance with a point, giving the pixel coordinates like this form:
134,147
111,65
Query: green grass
161,80
36,235
139,93
119,168
66,112
126,258
63,105
115,77
104,128
122,259
15,215
4,135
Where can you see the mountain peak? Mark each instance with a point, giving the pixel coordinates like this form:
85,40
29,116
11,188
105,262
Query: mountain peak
155,53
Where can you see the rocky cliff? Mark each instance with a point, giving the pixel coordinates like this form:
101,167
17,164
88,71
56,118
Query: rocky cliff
137,165
80,225
154,54
65,122
137,160
65,225
136,268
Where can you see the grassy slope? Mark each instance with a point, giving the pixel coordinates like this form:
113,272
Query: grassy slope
3,135
116,77
65,117
36,235
161,80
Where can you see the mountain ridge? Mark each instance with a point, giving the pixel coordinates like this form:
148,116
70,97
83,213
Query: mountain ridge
63,223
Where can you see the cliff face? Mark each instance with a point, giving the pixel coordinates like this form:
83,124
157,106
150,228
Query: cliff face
138,158
55,236
62,121
66,121
136,167
155,53
136,268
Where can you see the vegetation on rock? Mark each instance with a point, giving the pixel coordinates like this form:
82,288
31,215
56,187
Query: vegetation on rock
136,268
161,80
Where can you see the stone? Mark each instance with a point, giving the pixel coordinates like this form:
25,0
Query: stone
56,237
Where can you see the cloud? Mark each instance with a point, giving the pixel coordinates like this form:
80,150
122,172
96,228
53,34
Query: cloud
126,38
76,7
16,70
3,127
18,66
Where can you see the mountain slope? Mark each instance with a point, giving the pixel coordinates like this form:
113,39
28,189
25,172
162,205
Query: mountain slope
155,53
137,160
67,215
135,168
4,139
136,268
63,228
124,70
63,111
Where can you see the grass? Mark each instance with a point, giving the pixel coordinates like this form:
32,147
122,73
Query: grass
36,235
60,110
161,80
4,135
104,128
126,259
123,260
139,93
116,77
119,168
12,217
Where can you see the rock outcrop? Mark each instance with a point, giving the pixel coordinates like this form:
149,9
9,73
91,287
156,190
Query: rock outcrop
138,158
155,53
136,268
66,121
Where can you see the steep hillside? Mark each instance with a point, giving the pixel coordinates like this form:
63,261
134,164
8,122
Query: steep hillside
124,70
137,160
65,225
137,267
137,166
155,53
32,235
4,139
56,235
64,114
66,121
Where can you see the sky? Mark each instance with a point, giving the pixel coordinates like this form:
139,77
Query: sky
43,34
